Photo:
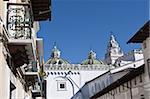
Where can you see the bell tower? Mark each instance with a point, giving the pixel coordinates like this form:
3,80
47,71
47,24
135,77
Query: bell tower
113,51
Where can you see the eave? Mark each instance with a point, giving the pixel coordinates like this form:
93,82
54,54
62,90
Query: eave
41,9
142,34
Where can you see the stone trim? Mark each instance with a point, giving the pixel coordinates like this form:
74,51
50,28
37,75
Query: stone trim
76,67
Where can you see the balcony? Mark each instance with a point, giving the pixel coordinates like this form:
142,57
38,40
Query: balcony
19,20
19,31
37,92
39,89
30,73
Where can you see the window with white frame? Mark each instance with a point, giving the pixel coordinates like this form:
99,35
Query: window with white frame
61,86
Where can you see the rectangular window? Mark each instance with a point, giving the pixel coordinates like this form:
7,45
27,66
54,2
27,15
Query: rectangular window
144,44
135,82
61,86
141,79
148,65
127,84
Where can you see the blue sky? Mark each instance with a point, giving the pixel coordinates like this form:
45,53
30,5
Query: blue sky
78,26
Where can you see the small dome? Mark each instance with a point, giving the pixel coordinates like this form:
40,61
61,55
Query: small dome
91,62
55,57
91,59
57,61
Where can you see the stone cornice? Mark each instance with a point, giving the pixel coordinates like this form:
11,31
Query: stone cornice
76,67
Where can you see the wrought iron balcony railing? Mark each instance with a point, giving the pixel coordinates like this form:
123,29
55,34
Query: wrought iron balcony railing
19,20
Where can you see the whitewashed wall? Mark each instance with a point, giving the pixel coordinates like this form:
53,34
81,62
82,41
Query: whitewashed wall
4,75
79,79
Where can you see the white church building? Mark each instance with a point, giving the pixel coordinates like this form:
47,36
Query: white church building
65,79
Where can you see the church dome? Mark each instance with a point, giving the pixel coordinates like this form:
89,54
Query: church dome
55,57
57,61
91,60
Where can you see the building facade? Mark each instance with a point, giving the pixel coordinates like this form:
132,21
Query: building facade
118,83
124,81
65,79
143,36
19,48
